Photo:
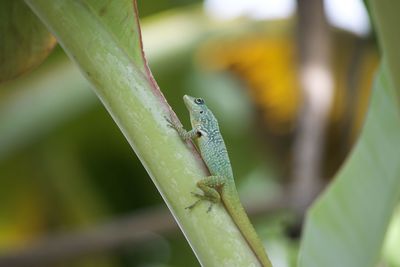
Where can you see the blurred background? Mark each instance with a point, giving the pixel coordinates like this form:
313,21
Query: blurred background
289,82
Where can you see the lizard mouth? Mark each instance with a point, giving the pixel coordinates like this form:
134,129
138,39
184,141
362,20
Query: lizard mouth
189,101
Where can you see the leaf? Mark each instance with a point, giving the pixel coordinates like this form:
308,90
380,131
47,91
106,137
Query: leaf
103,38
347,225
24,43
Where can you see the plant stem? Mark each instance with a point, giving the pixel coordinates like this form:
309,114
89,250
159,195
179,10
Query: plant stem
96,38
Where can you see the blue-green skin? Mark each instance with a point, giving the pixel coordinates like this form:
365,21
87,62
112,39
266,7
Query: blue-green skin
220,185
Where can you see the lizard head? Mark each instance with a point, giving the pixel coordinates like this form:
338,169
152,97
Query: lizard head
197,109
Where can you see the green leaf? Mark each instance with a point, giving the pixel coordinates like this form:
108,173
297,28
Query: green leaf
24,42
347,225
103,38
392,241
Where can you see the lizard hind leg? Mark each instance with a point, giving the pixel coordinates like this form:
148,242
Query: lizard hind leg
209,187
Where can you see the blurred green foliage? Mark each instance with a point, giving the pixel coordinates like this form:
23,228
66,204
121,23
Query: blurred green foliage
28,41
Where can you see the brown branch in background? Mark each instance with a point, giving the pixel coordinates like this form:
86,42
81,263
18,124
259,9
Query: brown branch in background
317,88
129,231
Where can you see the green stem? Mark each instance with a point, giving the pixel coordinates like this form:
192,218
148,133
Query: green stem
124,86
386,19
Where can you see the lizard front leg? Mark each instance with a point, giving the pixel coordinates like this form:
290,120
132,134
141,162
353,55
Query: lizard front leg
185,135
209,185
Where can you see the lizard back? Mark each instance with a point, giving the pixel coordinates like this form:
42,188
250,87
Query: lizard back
212,147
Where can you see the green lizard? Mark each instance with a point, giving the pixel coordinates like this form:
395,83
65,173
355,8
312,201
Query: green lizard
220,185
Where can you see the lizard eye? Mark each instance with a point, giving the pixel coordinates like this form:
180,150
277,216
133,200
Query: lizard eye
199,101
201,112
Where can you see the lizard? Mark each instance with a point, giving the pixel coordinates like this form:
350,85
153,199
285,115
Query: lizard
220,185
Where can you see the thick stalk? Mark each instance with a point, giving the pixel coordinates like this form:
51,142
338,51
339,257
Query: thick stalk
137,106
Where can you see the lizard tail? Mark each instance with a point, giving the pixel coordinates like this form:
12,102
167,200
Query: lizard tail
234,206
